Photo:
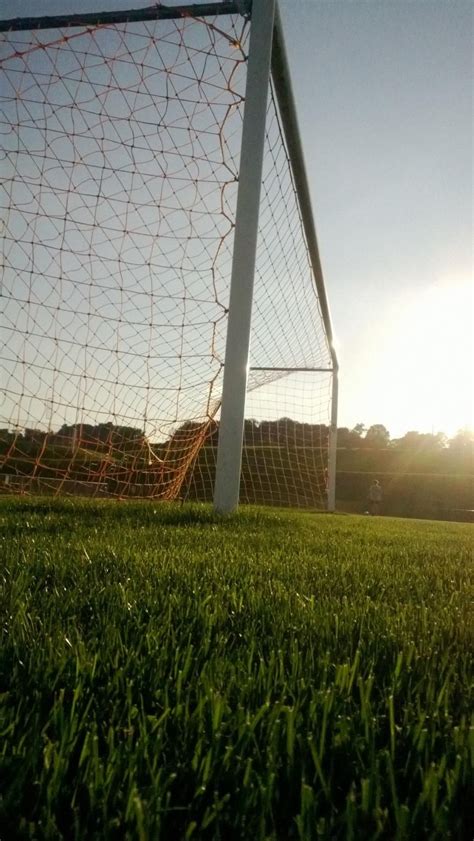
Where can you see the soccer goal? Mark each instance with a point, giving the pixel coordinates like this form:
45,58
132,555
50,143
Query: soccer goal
165,331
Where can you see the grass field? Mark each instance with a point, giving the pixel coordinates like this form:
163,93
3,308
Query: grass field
275,675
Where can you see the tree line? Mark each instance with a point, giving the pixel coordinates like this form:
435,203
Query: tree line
282,432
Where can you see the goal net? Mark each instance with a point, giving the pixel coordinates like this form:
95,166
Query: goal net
120,170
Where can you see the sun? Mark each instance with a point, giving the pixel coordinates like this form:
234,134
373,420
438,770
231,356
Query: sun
435,357
420,361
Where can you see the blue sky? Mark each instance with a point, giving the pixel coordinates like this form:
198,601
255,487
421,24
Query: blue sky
384,99
383,91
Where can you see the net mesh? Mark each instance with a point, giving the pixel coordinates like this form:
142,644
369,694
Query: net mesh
120,171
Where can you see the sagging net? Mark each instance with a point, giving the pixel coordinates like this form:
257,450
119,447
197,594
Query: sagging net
120,169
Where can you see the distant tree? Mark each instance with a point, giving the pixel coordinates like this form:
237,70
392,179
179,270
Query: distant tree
191,430
359,429
348,438
463,442
269,432
187,430
425,441
251,431
35,435
440,440
377,435
7,437
251,424
344,436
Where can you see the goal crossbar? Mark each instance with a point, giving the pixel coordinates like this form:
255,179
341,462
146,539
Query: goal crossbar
288,370
150,13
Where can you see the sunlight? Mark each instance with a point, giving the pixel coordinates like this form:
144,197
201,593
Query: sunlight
419,370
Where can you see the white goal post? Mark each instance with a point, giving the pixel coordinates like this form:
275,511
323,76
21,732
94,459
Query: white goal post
267,48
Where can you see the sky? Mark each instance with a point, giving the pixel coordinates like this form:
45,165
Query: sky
383,93
384,100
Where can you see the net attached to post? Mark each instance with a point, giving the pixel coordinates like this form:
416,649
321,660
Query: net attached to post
120,169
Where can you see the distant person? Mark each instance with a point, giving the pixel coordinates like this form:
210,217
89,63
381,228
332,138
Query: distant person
375,497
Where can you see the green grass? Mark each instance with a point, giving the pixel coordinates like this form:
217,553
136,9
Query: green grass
165,675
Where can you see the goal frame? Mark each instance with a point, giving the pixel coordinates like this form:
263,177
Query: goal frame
267,58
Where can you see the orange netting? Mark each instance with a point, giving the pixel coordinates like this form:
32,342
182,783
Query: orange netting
120,170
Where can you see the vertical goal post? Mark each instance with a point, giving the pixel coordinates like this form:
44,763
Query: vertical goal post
129,309
267,47
231,428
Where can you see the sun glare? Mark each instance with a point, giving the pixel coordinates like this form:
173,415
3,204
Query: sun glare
419,369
